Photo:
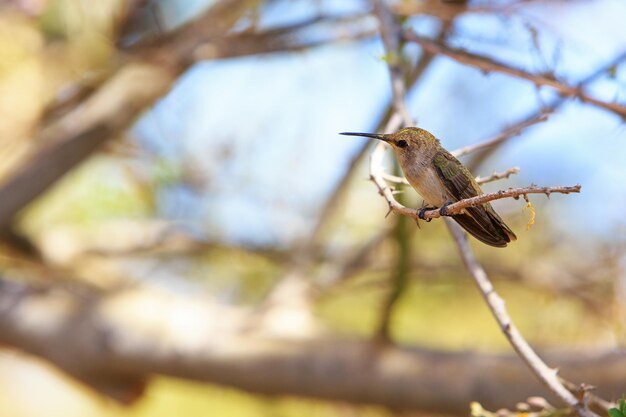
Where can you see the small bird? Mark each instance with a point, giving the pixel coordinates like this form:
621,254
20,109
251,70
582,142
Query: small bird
442,180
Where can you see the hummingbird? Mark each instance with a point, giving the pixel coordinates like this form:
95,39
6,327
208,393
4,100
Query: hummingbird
441,180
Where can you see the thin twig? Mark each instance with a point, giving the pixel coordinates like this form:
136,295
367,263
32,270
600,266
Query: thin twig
508,133
483,149
548,376
480,180
593,399
390,33
448,10
489,64
459,206
395,178
284,39
498,175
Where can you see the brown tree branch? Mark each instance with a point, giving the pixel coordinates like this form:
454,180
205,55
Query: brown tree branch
285,39
480,180
489,64
80,132
495,176
505,135
108,340
593,399
448,11
377,176
485,148
459,206
548,376
21,189
107,112
391,35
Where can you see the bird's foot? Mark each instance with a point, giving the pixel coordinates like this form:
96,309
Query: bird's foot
443,210
420,213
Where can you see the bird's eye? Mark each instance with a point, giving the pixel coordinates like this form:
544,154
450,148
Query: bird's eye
402,143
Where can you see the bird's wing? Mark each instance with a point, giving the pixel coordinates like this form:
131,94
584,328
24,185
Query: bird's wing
481,221
455,177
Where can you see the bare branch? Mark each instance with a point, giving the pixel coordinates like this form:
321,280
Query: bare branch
603,404
459,206
498,175
480,180
179,47
489,64
548,376
101,340
448,11
377,176
20,190
109,110
484,149
285,39
391,35
81,131
507,134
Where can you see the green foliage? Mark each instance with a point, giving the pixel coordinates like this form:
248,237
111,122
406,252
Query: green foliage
96,191
166,172
477,410
620,411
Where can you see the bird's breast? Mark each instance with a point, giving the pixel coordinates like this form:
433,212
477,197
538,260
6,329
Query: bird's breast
426,182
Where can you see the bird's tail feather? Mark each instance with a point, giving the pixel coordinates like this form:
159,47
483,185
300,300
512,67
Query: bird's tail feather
496,234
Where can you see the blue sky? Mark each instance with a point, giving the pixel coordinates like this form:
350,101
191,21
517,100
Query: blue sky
264,129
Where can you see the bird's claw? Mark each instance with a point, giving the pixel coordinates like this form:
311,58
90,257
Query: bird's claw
420,213
443,210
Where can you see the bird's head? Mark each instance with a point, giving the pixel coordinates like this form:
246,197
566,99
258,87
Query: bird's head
407,140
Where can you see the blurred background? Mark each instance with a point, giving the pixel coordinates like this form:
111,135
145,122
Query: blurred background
179,216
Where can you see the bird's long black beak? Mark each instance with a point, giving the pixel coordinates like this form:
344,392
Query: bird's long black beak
367,135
